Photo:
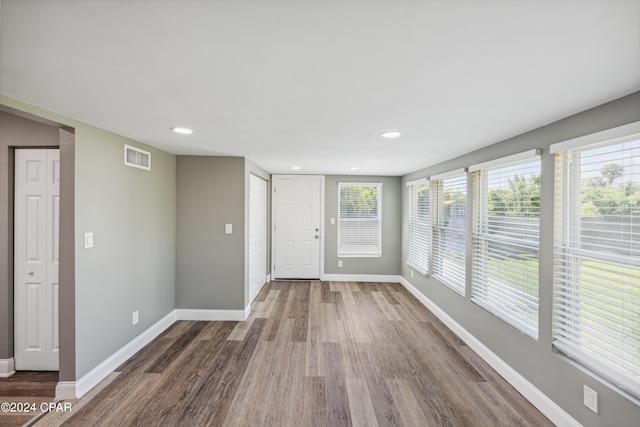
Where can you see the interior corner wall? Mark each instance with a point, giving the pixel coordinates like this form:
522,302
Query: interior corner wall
554,375
132,215
389,262
253,169
15,132
210,264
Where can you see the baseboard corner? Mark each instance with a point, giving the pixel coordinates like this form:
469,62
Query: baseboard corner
7,367
66,390
77,389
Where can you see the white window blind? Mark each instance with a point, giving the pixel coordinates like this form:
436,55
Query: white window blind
360,219
505,241
419,226
450,230
596,304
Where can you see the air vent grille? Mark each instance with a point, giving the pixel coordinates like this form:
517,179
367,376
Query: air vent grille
137,158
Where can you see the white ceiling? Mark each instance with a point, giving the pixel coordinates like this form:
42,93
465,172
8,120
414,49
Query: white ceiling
314,83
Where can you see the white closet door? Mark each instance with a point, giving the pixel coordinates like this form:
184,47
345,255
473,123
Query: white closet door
36,256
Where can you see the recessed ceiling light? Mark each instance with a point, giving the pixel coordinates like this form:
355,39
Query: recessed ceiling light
295,168
182,131
390,134
354,169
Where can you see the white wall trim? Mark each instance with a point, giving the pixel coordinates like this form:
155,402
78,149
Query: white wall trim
376,278
538,399
212,315
7,367
76,389
66,390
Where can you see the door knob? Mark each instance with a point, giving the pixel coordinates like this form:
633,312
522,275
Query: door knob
30,272
317,236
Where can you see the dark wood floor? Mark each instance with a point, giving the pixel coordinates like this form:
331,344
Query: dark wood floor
311,354
32,388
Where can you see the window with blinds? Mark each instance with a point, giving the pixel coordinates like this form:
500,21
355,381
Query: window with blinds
450,229
505,239
359,219
596,295
419,225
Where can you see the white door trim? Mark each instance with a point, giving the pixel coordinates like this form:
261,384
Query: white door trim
264,186
274,178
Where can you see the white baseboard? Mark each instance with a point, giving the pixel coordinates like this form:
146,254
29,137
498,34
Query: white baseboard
7,367
376,278
66,390
76,389
212,315
538,399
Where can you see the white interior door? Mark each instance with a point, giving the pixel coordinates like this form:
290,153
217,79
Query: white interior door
257,235
297,226
36,243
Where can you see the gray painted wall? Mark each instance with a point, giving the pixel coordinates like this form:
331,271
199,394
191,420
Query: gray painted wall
553,374
210,266
132,266
389,263
253,169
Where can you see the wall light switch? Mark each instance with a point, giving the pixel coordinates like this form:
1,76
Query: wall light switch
228,228
88,240
333,221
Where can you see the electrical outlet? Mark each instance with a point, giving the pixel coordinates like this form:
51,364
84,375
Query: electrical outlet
134,318
590,399
339,263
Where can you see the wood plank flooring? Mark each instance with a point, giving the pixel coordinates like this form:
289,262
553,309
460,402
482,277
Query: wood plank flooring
32,388
311,354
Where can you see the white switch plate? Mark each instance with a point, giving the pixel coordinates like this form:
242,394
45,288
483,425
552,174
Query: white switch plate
134,318
88,240
590,398
333,221
339,263
228,228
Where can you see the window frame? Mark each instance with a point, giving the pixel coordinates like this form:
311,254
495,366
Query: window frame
457,279
585,326
341,220
504,303
418,246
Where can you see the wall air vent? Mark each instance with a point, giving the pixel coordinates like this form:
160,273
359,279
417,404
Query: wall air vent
137,158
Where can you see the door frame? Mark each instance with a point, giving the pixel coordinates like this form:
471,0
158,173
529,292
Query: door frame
274,179
266,231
